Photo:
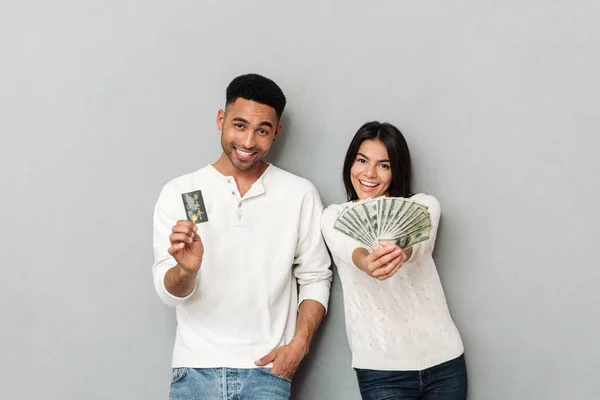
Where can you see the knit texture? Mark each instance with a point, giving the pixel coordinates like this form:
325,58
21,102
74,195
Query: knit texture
401,323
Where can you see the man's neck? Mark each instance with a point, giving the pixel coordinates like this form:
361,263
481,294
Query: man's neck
247,177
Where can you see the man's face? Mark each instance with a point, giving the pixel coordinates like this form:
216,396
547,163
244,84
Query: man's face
247,132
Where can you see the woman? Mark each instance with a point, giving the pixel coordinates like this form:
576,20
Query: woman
404,343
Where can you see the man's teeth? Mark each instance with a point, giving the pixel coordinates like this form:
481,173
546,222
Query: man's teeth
243,153
368,184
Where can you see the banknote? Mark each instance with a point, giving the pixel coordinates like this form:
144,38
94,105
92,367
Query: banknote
392,219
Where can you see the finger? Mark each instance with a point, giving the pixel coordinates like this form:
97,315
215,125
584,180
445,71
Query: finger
386,259
180,237
391,246
386,269
380,252
189,224
196,238
266,359
404,257
183,229
384,277
174,250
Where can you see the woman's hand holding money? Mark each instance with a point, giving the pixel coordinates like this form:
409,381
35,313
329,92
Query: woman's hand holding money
382,263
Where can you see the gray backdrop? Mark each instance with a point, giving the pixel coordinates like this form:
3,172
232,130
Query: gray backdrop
102,102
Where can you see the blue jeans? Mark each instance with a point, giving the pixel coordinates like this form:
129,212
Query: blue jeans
446,381
228,384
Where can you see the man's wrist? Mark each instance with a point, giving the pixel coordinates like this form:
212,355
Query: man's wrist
184,275
300,343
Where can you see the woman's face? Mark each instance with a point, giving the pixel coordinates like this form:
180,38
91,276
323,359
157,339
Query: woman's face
371,173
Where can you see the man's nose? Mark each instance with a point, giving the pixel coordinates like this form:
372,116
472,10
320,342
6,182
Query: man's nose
248,140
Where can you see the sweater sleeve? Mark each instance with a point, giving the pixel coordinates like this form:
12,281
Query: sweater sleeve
165,213
311,261
434,208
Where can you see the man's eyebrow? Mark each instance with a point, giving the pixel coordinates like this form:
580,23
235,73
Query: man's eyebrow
266,123
245,121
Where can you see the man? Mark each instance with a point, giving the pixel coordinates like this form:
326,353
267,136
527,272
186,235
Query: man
238,250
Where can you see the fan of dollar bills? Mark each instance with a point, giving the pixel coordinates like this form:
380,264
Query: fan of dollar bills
385,219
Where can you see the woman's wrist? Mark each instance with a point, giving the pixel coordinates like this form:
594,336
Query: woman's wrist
359,257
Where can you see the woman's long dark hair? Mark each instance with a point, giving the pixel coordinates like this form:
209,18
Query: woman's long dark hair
398,154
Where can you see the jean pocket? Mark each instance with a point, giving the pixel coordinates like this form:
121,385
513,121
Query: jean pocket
177,375
268,372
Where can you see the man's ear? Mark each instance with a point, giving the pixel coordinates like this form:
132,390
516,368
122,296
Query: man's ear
220,119
277,132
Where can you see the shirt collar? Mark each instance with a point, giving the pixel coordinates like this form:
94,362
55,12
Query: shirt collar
257,187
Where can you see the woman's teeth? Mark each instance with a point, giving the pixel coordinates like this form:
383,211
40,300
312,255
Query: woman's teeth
368,184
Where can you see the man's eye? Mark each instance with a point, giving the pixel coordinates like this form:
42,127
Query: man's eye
262,132
239,126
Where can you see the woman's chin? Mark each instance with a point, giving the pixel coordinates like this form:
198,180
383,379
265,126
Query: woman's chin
368,195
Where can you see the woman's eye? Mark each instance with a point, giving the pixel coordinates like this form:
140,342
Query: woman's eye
361,160
385,166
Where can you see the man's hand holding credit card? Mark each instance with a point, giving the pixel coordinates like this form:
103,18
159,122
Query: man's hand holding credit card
186,246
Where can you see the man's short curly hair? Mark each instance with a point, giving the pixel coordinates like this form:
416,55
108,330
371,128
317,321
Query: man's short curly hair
256,88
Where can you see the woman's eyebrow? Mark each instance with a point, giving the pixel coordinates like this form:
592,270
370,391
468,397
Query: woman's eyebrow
380,161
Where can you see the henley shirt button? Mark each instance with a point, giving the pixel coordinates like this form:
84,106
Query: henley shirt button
239,205
239,217
233,193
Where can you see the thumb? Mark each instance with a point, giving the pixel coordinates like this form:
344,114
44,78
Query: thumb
196,244
197,247
266,359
